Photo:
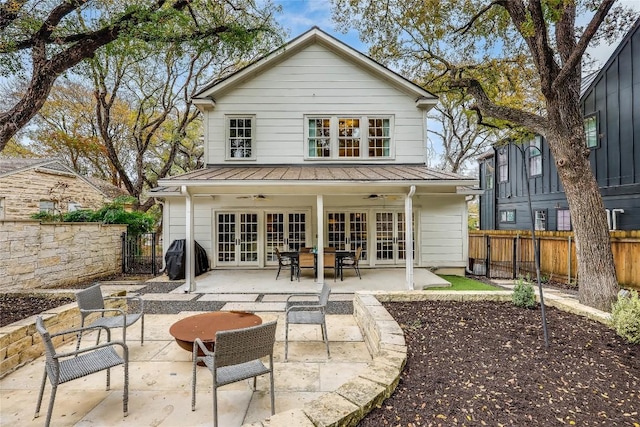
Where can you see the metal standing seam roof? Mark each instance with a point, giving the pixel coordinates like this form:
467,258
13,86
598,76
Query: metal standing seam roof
369,173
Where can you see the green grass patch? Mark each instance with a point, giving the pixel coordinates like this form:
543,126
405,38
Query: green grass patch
459,283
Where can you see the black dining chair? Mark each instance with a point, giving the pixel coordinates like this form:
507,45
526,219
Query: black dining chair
283,261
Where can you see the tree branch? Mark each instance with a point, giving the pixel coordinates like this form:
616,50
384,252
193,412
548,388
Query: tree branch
487,107
583,43
463,30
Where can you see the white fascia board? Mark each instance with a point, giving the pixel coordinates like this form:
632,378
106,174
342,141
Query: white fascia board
469,191
204,104
256,185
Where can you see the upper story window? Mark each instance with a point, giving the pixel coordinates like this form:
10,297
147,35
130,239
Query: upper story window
240,137
320,137
379,138
348,137
488,176
535,156
564,220
503,165
591,131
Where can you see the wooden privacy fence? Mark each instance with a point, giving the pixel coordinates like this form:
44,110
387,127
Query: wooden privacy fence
509,254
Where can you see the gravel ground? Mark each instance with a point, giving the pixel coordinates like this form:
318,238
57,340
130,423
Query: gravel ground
15,307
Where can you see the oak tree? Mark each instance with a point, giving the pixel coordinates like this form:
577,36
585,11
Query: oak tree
483,45
41,40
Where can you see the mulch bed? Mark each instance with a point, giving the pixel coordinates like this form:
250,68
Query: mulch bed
14,306
485,363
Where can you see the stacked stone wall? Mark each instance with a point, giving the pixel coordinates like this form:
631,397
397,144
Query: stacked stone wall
20,342
43,255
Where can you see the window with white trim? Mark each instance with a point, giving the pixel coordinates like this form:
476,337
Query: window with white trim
508,216
503,165
564,220
488,176
319,137
348,137
379,137
591,131
535,156
540,220
240,137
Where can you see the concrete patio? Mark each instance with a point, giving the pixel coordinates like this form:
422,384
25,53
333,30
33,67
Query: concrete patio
263,281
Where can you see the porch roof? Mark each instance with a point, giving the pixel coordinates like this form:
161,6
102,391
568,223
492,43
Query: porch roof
400,174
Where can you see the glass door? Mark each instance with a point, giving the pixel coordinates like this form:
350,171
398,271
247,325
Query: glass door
390,238
347,230
285,230
237,238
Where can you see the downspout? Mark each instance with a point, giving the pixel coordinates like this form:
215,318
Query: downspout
408,214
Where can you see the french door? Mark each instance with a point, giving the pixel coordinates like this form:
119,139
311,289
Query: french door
390,242
237,237
285,230
346,231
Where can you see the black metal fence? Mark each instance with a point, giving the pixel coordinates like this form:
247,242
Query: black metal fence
141,254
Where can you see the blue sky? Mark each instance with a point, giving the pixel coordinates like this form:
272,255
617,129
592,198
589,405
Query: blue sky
299,16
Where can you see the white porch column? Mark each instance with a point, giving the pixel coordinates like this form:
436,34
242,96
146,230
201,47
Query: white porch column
408,236
320,239
190,265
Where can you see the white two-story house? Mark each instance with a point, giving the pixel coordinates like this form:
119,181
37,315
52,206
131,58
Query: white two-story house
316,144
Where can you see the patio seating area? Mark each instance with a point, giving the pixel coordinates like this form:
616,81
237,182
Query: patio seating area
160,380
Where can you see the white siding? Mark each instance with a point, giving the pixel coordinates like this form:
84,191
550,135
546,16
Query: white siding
314,81
176,225
443,233
440,221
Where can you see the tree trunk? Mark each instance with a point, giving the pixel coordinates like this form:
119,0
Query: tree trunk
596,270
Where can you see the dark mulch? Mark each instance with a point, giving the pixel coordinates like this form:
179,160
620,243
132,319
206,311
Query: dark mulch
14,306
17,307
484,363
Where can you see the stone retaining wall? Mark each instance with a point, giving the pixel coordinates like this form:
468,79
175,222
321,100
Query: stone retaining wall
20,343
41,255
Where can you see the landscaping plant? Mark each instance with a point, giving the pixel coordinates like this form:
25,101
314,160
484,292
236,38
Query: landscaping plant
523,294
625,317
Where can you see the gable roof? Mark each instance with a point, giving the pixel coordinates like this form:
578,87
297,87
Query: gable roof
314,36
591,80
10,166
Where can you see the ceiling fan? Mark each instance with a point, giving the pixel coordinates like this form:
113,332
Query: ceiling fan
253,196
380,197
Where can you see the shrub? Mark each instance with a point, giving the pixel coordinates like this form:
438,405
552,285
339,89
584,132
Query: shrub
84,215
625,317
523,294
46,216
111,213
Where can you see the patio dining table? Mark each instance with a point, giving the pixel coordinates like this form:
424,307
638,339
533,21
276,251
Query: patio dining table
295,256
